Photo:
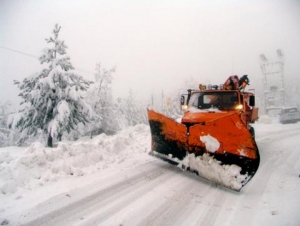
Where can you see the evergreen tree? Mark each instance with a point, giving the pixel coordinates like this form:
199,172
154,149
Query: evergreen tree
134,112
120,113
7,135
53,97
101,100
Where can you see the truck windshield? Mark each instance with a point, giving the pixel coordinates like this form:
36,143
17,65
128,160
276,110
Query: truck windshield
220,100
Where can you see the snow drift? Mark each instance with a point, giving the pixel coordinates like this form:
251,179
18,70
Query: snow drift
37,164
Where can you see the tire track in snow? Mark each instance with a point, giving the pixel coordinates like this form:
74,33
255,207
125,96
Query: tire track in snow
164,214
129,197
167,204
65,214
185,206
211,215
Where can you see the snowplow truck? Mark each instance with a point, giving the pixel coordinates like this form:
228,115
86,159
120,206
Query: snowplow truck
214,138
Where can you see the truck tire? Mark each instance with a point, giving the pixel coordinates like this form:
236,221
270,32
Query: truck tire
252,131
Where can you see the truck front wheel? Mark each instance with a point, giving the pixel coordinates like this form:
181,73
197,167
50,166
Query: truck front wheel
252,131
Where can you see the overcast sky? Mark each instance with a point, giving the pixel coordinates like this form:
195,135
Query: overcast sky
155,44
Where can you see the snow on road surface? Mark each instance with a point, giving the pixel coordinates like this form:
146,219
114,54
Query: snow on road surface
111,180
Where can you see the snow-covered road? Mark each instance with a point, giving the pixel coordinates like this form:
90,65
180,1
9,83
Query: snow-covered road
141,190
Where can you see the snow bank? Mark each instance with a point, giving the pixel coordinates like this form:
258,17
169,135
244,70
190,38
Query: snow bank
37,165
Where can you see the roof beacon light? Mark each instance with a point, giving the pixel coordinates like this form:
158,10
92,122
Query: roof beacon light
202,87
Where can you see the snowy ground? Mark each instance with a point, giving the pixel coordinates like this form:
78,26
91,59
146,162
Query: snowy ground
111,180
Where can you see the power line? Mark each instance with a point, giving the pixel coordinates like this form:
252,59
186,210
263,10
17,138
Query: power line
16,51
33,56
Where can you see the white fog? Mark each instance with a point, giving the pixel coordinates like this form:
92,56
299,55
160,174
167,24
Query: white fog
155,45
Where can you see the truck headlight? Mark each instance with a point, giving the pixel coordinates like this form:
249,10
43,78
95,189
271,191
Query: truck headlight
239,107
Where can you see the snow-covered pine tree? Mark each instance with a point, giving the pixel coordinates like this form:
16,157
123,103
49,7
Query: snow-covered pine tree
120,113
101,100
130,107
134,111
7,135
53,97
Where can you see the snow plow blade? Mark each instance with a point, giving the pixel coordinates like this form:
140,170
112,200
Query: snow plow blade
221,150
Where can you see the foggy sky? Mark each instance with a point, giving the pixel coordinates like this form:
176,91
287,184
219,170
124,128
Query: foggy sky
155,44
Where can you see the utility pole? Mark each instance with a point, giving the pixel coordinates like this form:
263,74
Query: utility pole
273,82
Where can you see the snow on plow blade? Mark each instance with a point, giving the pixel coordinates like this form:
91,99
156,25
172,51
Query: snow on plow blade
221,150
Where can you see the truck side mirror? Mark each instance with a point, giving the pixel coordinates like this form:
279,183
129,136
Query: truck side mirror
182,100
252,101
